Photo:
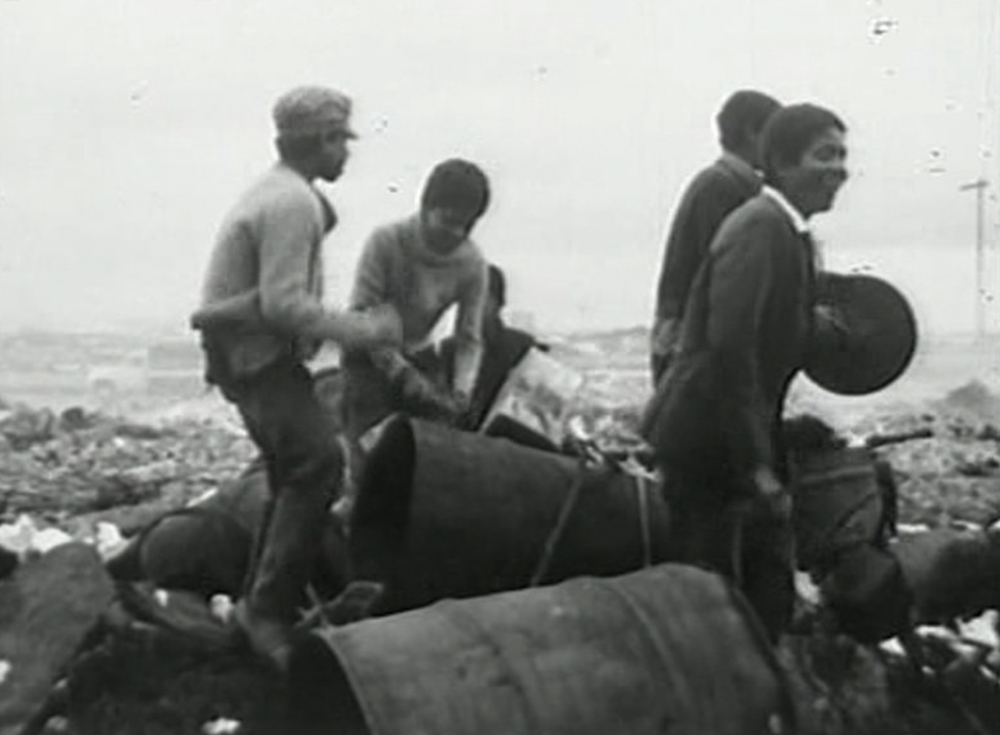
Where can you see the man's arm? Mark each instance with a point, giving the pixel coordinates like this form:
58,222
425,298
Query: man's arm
469,332
372,278
240,312
288,236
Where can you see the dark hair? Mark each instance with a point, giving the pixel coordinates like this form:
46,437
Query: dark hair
743,114
458,184
497,285
788,134
298,147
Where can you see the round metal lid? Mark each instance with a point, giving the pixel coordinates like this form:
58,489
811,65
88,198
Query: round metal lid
870,339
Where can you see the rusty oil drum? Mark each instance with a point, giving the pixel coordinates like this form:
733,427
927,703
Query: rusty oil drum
444,513
670,649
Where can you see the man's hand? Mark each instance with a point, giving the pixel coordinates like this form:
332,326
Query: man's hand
769,491
665,337
422,397
828,323
386,328
373,328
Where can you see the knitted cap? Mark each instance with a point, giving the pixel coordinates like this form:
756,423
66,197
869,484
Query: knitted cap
312,110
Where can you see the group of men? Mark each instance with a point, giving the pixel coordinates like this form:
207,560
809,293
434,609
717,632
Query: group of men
733,317
263,316
734,320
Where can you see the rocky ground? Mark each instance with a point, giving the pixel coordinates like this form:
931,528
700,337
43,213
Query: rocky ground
74,471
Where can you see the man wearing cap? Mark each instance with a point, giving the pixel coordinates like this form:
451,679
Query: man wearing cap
715,420
261,318
709,198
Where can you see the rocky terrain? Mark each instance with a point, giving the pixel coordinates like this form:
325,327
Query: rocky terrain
79,472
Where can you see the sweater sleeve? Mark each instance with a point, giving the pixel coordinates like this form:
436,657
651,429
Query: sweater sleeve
372,277
742,277
290,233
469,330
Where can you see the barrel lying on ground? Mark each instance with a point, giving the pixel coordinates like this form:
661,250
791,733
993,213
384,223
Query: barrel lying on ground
667,649
443,513
205,548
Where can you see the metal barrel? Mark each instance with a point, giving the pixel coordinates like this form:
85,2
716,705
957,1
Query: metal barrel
444,513
670,649
206,547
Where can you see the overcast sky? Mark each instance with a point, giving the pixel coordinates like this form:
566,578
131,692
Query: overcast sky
128,128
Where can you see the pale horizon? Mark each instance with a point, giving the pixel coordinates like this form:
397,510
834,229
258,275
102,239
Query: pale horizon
127,130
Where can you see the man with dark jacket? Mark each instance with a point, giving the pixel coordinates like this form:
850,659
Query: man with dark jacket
262,316
715,192
715,419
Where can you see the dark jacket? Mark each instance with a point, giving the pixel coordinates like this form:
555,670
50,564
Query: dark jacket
750,311
711,196
503,349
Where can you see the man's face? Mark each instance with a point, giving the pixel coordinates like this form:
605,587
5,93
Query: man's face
445,228
333,154
812,184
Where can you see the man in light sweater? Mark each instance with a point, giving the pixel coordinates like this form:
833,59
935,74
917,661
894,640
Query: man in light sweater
261,318
421,266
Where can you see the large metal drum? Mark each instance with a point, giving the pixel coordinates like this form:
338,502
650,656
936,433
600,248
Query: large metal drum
670,649
444,513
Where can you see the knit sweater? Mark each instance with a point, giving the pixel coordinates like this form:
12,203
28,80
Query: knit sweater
262,294
398,268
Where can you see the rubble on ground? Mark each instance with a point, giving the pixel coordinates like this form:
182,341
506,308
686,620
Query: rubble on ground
69,477
95,463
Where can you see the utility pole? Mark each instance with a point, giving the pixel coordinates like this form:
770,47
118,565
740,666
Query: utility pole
979,185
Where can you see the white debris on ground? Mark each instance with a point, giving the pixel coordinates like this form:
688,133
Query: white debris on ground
96,462
221,726
26,538
222,607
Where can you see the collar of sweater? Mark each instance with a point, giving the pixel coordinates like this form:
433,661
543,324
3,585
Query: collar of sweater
424,254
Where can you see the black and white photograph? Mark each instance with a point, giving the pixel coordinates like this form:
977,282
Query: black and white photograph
500,367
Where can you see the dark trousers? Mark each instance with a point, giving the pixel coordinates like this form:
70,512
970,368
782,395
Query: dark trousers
713,526
305,469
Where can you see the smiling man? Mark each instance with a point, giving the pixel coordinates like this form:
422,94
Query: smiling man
421,266
744,338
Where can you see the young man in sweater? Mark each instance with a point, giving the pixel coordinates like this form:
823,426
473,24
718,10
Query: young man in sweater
709,198
745,336
421,266
261,318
